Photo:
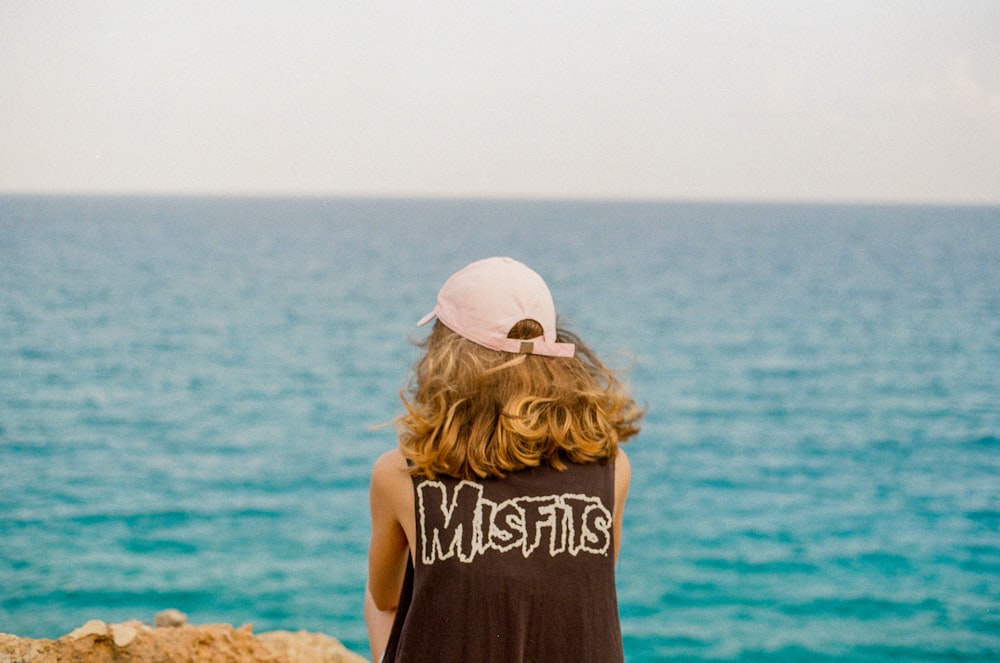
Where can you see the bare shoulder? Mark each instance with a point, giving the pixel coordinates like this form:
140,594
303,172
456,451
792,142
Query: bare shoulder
623,477
391,495
391,483
623,466
390,462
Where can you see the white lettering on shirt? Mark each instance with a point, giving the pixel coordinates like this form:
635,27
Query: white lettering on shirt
556,524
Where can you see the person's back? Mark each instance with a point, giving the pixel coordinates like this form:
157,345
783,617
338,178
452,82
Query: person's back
514,569
495,526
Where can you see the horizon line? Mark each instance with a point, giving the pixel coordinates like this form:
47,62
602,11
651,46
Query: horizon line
514,198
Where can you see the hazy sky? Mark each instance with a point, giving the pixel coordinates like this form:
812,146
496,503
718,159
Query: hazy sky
862,101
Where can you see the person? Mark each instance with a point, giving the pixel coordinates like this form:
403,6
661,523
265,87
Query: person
496,523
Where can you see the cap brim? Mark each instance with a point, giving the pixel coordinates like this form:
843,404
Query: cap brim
427,318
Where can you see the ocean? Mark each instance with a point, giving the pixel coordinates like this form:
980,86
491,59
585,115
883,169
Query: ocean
193,390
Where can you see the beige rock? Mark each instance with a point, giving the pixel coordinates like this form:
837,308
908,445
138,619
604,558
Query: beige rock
306,647
15,650
93,627
123,634
134,642
169,618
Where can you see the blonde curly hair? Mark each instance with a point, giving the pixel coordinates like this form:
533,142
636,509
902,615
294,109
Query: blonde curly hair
474,412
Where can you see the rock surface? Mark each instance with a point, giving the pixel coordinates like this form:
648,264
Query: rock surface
135,642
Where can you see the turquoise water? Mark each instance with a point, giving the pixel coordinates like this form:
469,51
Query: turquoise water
190,391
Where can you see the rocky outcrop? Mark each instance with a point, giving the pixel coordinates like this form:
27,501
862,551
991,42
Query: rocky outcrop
172,640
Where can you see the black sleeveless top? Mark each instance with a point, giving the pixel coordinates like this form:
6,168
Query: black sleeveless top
512,570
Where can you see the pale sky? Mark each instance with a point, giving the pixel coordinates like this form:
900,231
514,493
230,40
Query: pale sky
877,100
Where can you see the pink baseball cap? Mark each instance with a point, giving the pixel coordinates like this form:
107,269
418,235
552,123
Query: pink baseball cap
484,300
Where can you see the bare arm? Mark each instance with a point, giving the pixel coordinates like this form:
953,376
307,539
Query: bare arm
623,477
379,623
391,500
